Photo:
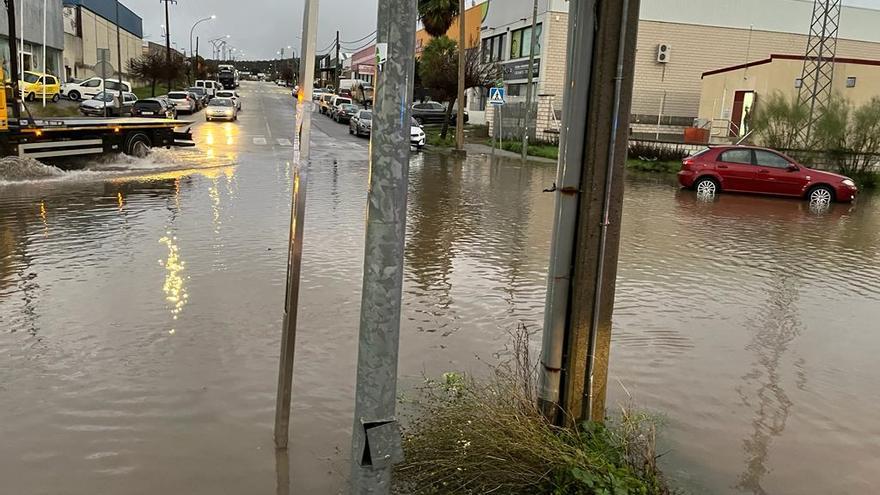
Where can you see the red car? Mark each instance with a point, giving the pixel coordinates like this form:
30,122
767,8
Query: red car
764,171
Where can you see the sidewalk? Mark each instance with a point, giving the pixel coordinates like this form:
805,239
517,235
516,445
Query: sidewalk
479,148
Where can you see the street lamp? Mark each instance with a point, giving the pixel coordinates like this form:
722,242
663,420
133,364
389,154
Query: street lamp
191,52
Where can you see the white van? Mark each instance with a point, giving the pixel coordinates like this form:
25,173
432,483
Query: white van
211,87
85,90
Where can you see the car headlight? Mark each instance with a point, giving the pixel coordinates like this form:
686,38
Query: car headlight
848,182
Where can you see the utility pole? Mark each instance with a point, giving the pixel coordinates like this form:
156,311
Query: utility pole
13,62
376,441
532,45
301,158
197,64
589,201
168,41
459,120
338,65
118,59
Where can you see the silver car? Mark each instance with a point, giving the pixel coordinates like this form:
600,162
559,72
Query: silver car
233,95
110,100
221,109
183,101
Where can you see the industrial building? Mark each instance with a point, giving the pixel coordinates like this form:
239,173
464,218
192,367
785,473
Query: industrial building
678,41
90,28
32,25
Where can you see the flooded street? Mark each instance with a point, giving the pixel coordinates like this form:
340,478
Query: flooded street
141,302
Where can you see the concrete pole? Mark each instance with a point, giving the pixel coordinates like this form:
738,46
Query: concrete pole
301,157
14,75
597,238
532,44
376,436
462,47
581,22
45,8
119,58
168,42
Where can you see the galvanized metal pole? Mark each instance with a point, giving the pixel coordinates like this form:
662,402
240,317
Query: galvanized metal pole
376,436
301,157
45,9
119,59
462,48
532,45
581,21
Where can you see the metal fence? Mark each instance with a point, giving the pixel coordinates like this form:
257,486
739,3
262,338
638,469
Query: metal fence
508,121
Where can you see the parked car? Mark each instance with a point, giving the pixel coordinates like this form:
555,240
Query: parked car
431,112
759,170
317,93
211,87
233,95
344,113
201,93
335,103
326,98
361,123
417,136
109,99
184,101
221,109
35,84
154,107
84,90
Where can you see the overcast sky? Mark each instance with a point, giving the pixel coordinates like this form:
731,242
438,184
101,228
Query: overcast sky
261,27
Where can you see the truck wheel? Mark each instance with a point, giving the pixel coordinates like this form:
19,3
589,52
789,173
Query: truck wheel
73,95
137,144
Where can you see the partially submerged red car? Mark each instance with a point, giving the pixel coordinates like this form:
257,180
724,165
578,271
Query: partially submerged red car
751,169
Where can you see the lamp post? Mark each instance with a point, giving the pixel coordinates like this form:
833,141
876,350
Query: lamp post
191,52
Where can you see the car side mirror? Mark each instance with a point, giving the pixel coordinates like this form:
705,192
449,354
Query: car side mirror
792,167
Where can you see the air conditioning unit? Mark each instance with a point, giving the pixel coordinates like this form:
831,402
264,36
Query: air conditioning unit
663,53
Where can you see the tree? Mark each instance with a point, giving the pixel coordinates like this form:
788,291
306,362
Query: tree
437,15
777,121
850,136
149,67
438,70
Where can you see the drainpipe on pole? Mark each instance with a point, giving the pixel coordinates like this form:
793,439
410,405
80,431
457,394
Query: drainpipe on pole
45,8
533,44
568,195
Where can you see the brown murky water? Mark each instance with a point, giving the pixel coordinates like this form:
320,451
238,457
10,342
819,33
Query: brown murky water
139,323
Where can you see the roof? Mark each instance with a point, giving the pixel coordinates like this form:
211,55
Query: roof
128,20
838,60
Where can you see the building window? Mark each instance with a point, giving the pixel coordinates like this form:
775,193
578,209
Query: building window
798,82
850,82
520,89
521,42
492,49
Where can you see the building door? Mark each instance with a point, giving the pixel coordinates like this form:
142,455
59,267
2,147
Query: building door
741,115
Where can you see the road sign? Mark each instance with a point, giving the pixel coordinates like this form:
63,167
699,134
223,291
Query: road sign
496,96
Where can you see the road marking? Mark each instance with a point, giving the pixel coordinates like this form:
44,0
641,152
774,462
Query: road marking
259,140
284,142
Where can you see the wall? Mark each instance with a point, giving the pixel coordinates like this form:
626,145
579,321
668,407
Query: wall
473,19
98,32
33,22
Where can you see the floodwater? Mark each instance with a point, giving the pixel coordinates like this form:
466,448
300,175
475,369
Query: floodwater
140,310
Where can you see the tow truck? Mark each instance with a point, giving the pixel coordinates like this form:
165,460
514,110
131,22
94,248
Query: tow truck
62,136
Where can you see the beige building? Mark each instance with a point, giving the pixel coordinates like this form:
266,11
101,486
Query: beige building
730,94
678,40
90,26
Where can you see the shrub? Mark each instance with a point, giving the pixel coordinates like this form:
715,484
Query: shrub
653,152
850,136
777,121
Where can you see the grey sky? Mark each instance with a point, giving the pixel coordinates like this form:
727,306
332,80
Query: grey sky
261,27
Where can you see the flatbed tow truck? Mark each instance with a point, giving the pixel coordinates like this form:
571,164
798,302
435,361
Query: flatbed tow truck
75,136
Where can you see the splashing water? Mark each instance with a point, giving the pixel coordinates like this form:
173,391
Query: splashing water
18,168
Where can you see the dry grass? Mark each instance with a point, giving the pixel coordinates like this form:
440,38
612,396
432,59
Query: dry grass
479,437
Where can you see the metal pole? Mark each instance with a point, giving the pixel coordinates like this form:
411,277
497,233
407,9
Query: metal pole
376,442
337,68
45,8
660,116
168,42
532,46
301,157
459,118
582,18
198,65
119,58
13,62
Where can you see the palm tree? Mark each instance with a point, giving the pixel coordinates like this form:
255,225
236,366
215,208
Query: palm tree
437,15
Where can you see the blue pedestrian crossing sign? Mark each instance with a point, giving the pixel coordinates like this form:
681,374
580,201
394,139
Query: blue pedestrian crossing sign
496,96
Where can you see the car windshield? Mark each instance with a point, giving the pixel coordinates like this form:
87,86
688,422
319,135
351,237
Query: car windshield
198,91
349,107
414,123
342,101
366,116
220,102
103,96
30,78
177,96
151,104
225,94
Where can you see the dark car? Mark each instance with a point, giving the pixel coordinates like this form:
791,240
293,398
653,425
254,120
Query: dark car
154,108
345,112
201,93
759,170
431,112
361,123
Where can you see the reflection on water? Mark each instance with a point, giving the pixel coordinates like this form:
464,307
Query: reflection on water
745,320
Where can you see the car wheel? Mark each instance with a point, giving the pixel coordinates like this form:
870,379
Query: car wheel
350,130
137,144
74,95
30,97
56,97
821,195
207,119
706,187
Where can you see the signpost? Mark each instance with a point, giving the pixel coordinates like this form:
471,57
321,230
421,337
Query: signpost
496,98
103,67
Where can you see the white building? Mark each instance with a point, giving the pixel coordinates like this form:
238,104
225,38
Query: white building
90,26
30,25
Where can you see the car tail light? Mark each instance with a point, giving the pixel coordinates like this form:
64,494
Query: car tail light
687,163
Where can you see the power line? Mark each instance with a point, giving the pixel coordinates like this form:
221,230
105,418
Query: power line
362,46
358,40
